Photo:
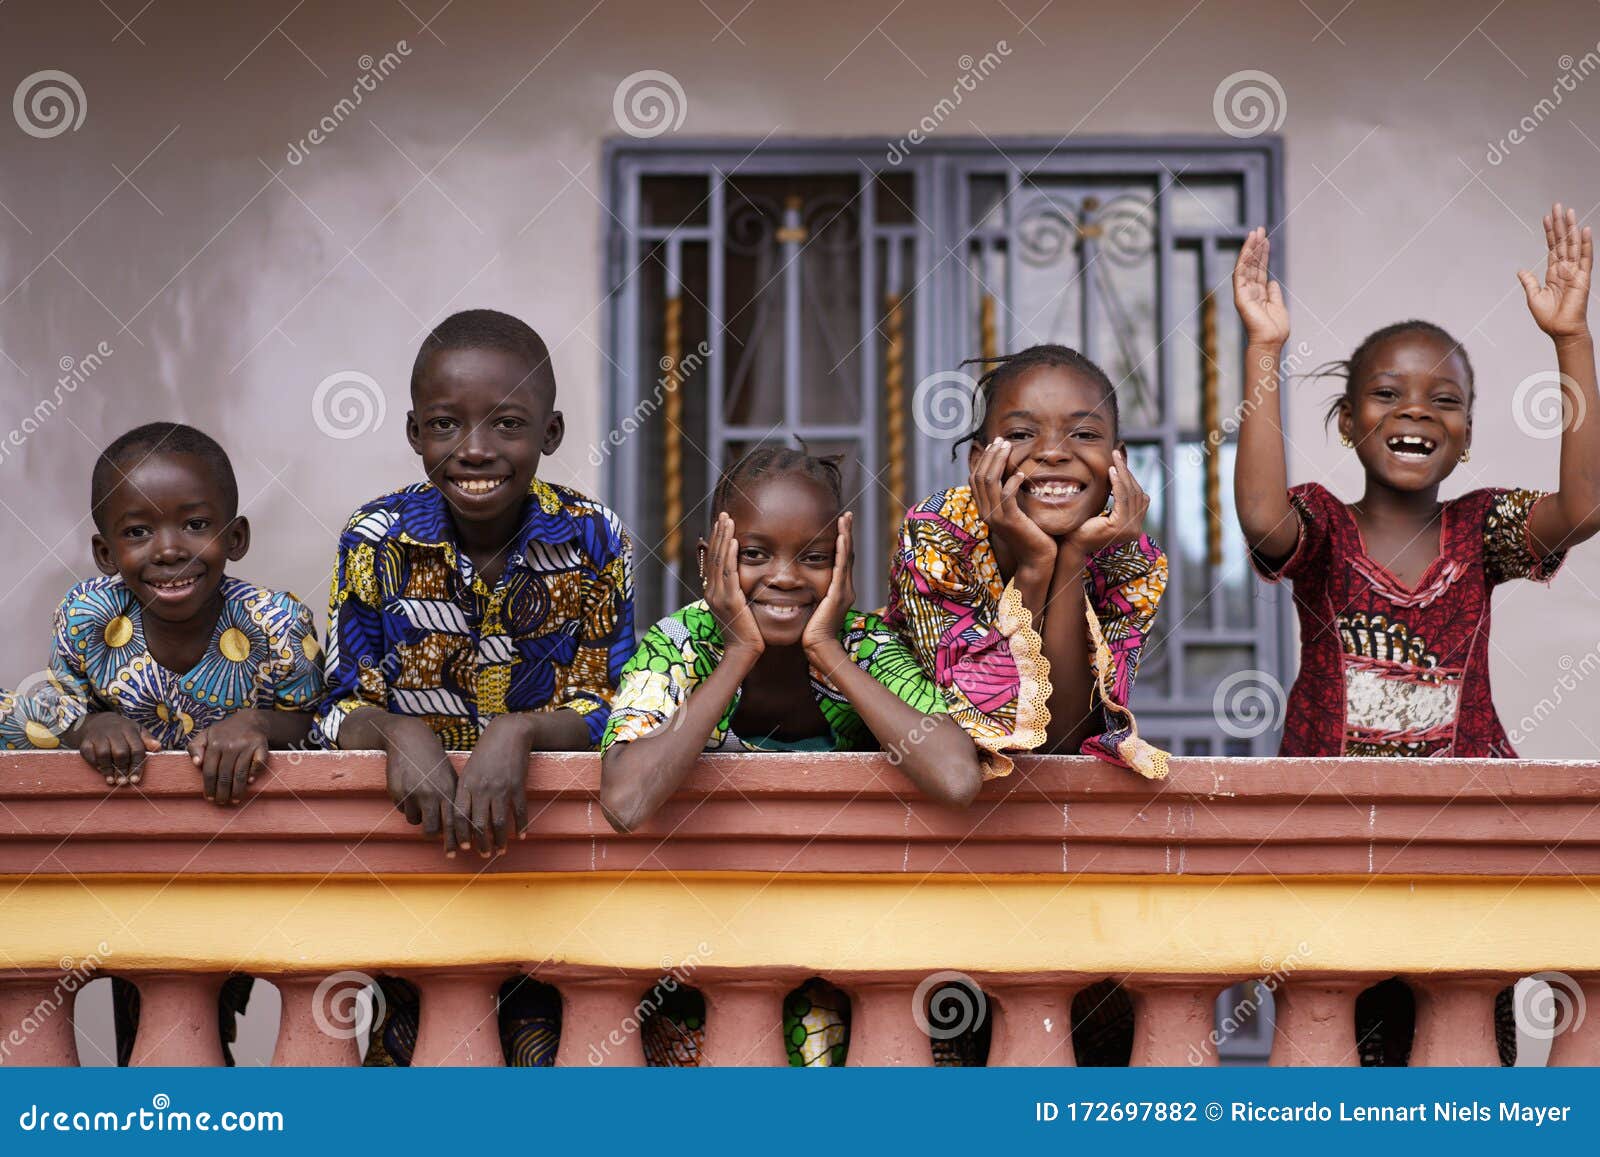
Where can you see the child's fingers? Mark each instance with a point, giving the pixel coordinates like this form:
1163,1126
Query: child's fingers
1530,283
444,825
151,743
519,808
243,764
497,824
1274,293
482,823
1586,250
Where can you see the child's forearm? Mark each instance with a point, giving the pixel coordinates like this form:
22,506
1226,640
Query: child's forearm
1065,642
637,777
933,751
286,729
1260,471
1572,514
373,728
558,730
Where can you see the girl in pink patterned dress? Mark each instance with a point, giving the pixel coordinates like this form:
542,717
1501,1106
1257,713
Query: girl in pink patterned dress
1027,594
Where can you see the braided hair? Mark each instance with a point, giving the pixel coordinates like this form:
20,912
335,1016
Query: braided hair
1009,367
1352,367
775,461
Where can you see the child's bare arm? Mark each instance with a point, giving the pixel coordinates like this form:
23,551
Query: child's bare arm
1561,308
933,750
637,777
1260,474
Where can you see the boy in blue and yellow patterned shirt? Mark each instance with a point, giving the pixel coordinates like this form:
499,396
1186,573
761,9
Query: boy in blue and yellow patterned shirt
482,610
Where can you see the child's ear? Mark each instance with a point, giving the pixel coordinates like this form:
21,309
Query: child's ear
554,431
102,555
413,431
238,534
1346,420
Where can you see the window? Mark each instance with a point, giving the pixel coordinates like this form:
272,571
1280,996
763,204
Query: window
807,289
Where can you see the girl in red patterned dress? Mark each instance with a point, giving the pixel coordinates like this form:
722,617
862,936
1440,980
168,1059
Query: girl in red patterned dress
1393,591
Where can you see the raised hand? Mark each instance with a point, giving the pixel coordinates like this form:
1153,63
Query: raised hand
1257,297
724,595
1125,521
822,629
1031,549
1561,305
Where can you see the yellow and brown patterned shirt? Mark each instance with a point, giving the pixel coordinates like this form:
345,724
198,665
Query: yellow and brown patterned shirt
414,631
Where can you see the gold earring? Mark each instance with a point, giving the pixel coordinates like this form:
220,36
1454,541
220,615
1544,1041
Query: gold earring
1344,440
1466,454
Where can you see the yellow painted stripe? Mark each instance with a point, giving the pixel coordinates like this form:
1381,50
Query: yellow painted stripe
1231,927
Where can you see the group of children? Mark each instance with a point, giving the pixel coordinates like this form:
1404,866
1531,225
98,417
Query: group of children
486,610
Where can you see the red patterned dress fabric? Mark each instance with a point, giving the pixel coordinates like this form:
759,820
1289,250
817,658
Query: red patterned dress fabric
1392,670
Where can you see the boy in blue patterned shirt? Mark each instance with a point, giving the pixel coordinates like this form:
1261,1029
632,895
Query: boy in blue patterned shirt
165,650
482,610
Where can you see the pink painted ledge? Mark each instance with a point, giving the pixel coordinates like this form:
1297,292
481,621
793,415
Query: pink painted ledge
329,813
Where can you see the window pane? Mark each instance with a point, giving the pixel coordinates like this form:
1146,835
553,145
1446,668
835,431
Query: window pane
1206,202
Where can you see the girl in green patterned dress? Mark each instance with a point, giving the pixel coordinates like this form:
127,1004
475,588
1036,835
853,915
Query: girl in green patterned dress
774,658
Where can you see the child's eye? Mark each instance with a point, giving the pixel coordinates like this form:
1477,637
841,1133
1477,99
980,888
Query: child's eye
510,424
136,532
818,560
751,554
1384,393
196,525
1447,401
442,424
1018,435
1087,435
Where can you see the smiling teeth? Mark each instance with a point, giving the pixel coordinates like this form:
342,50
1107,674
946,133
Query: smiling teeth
1055,489
783,612
176,584
478,485
1412,446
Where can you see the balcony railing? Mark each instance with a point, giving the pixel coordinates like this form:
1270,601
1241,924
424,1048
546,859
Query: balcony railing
1323,875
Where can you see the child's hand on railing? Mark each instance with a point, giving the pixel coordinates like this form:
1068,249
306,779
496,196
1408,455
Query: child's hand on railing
1259,299
724,595
229,753
493,789
821,636
422,780
1561,305
115,746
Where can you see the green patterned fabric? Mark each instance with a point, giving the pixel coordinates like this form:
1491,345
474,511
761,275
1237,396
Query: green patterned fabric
679,653
816,1025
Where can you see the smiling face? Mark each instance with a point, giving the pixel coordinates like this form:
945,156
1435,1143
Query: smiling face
481,421
787,526
1407,412
167,529
1062,436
